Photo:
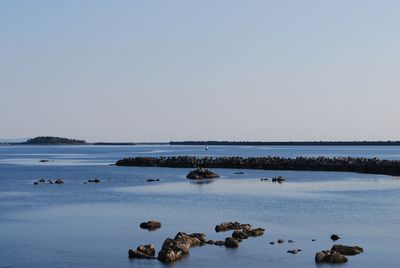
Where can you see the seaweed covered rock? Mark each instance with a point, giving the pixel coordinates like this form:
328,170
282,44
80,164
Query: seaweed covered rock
175,249
201,173
347,250
329,256
228,226
231,242
143,252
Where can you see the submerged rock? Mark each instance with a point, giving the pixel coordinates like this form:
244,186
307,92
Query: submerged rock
329,256
294,251
347,250
150,225
219,243
96,180
151,180
202,173
281,241
238,173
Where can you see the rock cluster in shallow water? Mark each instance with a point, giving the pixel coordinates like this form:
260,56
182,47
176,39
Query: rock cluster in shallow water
201,173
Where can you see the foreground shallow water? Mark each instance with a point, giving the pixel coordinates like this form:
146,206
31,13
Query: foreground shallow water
93,225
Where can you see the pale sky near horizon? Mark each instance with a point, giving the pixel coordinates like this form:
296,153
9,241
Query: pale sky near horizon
200,70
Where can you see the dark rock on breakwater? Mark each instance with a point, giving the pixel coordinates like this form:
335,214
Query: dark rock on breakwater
201,173
342,164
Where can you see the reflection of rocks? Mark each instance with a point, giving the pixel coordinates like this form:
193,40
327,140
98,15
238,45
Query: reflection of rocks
202,182
174,249
143,252
150,225
347,250
328,256
202,173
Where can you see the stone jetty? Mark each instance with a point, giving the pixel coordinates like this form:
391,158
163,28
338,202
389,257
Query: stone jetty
342,164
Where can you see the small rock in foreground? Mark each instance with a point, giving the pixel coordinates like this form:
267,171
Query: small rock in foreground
328,256
143,252
231,242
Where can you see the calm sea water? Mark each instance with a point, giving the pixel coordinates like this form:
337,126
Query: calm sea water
94,225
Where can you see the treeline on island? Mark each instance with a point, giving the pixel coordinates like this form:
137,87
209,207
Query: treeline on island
290,143
342,164
53,140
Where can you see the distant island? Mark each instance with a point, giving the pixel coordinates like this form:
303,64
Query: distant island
48,140
289,143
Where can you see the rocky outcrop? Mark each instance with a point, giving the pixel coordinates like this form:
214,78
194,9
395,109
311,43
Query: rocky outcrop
175,249
151,225
342,164
229,226
231,242
143,252
201,173
347,250
329,256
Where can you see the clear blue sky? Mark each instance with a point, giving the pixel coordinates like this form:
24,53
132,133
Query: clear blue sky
200,70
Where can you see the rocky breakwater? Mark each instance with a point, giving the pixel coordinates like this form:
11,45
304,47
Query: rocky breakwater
342,164
177,248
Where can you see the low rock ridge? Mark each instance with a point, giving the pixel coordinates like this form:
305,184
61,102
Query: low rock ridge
342,164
